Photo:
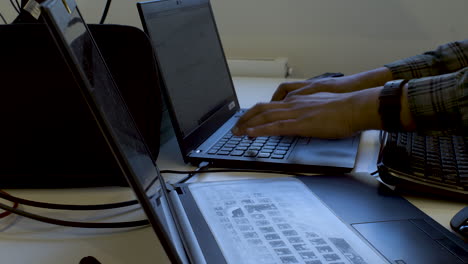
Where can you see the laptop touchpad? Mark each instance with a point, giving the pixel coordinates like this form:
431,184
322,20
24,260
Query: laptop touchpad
403,242
340,152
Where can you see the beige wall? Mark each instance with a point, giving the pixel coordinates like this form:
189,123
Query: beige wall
319,35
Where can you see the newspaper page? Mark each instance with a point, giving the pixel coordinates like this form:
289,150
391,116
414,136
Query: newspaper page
277,221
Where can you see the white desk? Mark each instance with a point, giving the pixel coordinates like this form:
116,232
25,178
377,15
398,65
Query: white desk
26,241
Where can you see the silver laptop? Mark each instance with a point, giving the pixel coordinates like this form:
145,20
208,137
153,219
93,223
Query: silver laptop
312,220
203,104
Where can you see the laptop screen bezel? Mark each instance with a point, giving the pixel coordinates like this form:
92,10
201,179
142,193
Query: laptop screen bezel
190,141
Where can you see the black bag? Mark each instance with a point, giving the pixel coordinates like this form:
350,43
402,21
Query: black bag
48,137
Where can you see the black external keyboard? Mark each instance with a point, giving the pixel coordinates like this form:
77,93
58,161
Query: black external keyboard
261,147
434,164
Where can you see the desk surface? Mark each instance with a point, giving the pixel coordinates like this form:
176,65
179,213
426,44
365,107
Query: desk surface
26,241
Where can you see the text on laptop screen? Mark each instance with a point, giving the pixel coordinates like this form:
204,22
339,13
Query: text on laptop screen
192,63
108,99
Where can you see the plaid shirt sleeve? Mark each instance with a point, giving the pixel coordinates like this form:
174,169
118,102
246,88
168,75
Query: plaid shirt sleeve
438,88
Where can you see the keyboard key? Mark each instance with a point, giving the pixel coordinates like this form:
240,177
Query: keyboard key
237,153
227,149
241,148
269,147
277,156
251,153
280,152
212,151
282,148
263,155
255,148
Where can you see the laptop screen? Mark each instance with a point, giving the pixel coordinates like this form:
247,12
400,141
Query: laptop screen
108,107
191,61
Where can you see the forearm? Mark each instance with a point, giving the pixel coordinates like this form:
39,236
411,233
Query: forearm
369,79
362,80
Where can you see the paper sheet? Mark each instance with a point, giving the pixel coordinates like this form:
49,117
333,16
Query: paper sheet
277,221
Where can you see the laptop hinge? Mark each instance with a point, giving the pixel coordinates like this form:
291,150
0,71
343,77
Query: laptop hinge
188,236
179,190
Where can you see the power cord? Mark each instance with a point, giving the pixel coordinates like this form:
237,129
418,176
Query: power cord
16,6
233,170
7,213
190,173
73,223
106,10
382,137
3,19
203,166
71,207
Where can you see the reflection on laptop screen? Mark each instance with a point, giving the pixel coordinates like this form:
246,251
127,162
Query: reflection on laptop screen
190,55
108,99
109,109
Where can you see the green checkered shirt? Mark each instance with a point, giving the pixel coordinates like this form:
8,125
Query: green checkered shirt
438,88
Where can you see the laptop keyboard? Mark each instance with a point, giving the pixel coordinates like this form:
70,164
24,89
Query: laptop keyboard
275,147
428,160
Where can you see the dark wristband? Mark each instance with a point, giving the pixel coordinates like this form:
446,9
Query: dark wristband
390,105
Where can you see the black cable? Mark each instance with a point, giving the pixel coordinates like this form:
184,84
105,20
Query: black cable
106,10
7,213
83,207
129,224
234,170
202,166
72,223
18,5
3,19
14,6
90,207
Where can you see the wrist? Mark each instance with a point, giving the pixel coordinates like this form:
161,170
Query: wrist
365,109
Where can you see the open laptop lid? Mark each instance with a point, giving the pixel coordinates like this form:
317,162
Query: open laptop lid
113,118
209,100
